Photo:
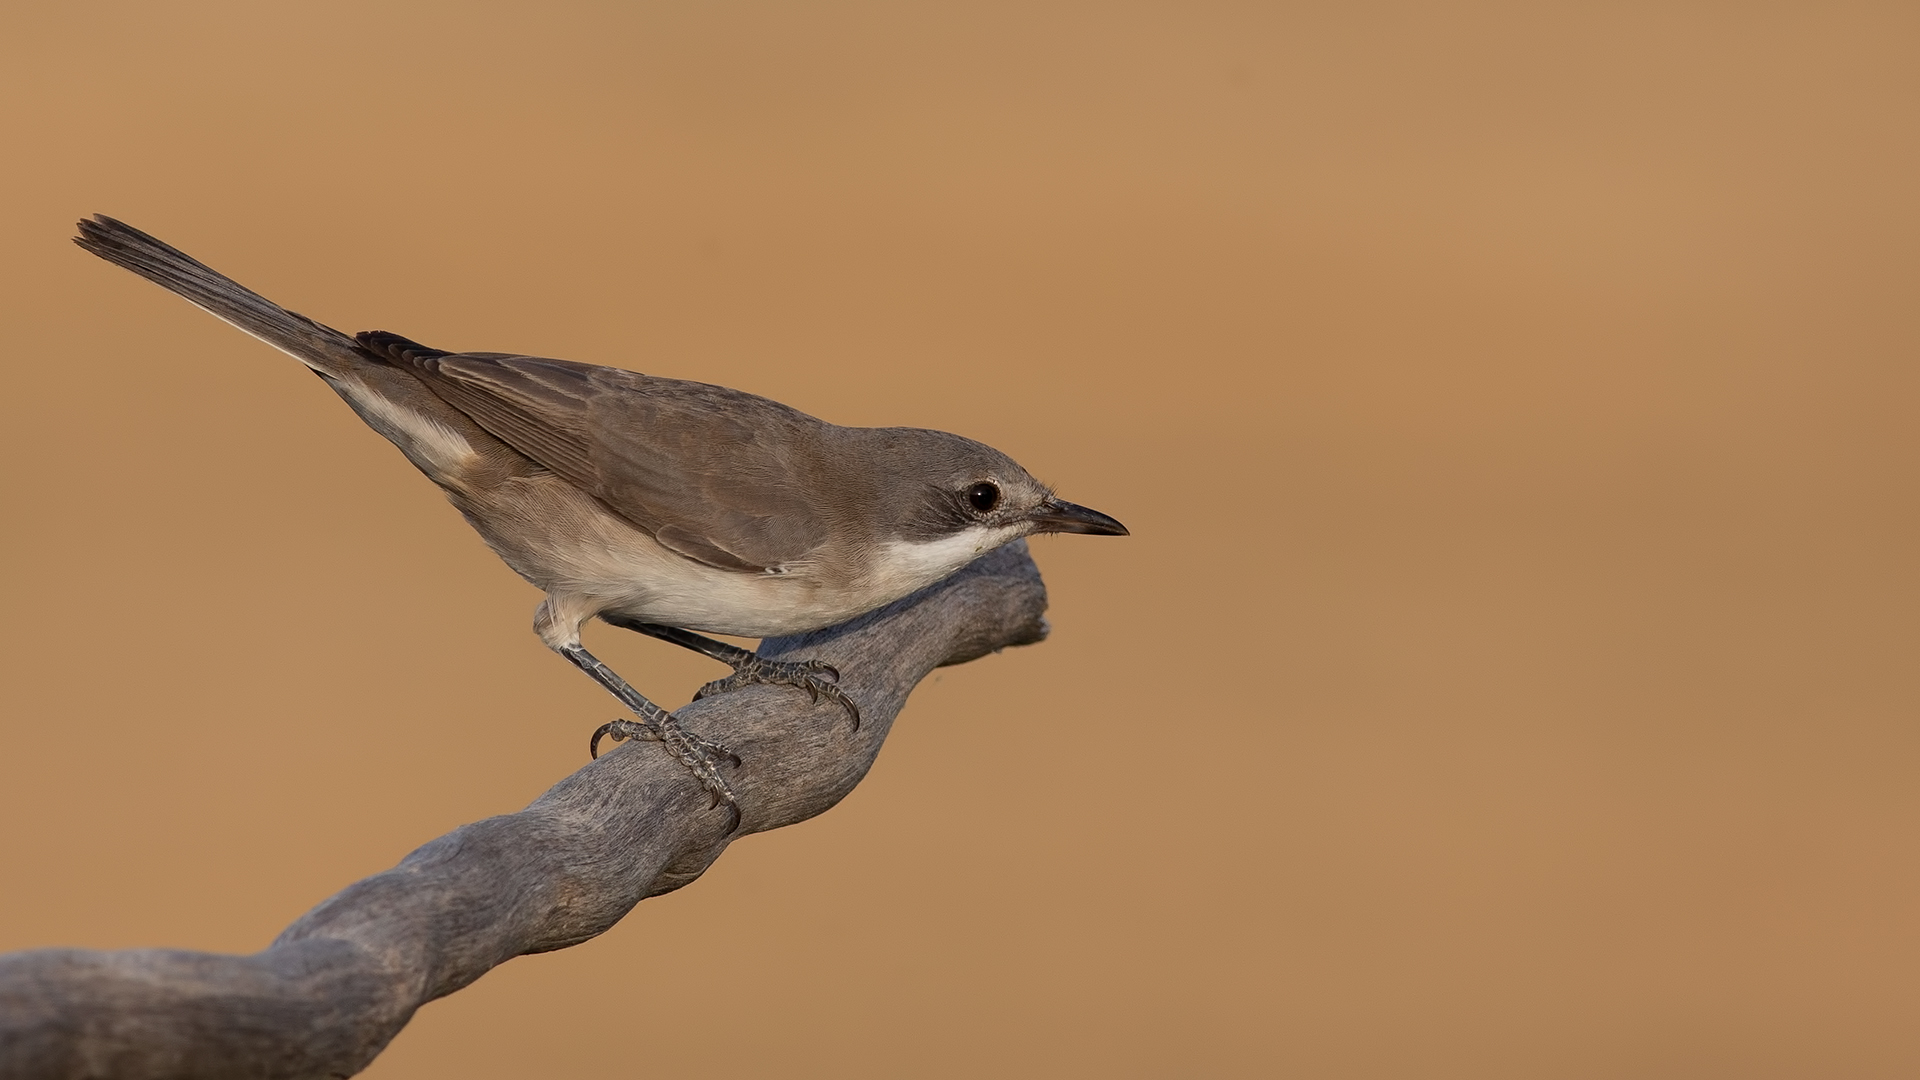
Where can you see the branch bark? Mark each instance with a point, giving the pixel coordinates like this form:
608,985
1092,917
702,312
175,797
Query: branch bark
329,994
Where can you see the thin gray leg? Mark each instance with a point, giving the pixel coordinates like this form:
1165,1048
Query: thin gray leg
658,725
816,677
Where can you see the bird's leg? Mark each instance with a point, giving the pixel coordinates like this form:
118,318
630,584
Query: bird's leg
816,677
658,725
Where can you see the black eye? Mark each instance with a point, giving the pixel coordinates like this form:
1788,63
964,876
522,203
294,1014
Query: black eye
983,496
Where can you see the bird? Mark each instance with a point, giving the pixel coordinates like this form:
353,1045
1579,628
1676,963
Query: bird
668,507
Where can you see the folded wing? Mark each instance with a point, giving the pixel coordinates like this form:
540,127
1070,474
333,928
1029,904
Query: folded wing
708,471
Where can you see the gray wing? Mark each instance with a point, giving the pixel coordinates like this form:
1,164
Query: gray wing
709,471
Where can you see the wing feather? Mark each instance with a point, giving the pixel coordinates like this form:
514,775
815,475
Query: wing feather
708,471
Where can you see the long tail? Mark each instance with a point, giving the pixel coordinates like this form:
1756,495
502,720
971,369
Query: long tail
320,347
436,437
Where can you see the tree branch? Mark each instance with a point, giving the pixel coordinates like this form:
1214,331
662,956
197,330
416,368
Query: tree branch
340,983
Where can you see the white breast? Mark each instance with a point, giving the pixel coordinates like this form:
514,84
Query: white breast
589,561
905,566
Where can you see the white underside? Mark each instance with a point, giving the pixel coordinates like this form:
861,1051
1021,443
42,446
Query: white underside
905,566
434,447
438,450
642,580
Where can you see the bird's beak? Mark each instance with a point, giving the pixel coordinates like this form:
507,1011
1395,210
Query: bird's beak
1060,516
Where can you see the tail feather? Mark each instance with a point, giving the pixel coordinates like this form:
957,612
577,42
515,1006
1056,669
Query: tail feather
321,347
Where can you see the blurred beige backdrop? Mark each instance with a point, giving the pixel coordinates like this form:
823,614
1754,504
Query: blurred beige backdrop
1512,673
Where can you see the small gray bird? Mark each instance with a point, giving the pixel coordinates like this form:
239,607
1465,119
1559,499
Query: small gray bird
658,505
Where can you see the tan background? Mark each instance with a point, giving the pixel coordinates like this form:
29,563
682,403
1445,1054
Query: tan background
1512,673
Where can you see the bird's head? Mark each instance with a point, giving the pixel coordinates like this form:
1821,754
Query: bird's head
946,500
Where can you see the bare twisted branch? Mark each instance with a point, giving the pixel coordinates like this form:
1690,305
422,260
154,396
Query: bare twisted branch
340,983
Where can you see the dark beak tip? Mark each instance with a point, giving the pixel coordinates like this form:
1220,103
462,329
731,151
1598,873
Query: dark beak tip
1061,516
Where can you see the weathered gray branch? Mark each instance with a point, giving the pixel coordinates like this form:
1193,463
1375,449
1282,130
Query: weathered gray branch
340,983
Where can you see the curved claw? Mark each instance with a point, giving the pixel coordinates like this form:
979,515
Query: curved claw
718,750
853,711
832,691
820,680
694,752
593,744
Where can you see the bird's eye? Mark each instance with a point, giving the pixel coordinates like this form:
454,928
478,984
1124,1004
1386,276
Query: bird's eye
983,496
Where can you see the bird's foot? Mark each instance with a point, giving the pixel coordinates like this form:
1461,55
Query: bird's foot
700,756
817,677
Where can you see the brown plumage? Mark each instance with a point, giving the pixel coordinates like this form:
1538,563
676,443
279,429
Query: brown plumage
661,505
